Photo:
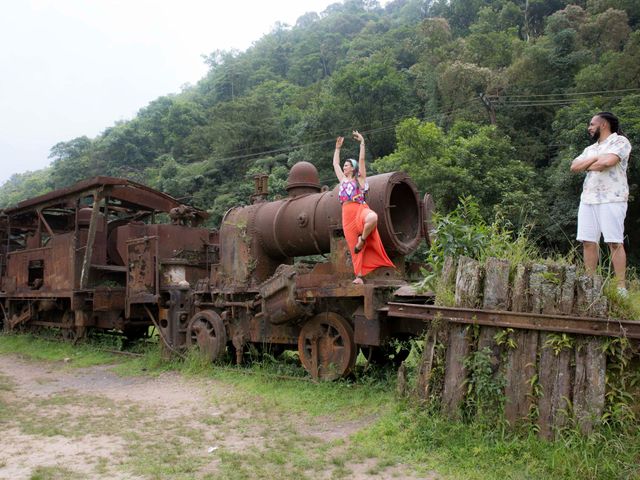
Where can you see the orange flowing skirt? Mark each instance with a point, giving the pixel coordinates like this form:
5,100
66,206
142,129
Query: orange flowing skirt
373,255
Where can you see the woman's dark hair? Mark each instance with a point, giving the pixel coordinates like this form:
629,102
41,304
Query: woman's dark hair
614,123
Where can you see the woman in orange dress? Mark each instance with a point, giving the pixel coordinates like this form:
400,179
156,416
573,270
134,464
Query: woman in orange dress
359,222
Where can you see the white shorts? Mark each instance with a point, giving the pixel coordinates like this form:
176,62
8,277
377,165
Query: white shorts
601,218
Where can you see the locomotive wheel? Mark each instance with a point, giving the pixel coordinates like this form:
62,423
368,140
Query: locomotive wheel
326,346
206,330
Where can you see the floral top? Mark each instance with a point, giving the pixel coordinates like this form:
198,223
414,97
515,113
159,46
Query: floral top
350,191
609,185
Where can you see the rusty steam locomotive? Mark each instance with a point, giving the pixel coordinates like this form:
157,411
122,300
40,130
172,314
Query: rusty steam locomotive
112,254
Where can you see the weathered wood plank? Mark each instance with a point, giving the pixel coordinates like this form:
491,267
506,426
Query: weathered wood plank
519,372
495,297
567,290
555,383
496,284
468,281
455,372
520,296
536,279
449,271
589,384
551,287
423,384
590,300
544,284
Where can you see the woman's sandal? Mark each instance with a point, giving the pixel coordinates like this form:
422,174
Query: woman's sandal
358,280
360,239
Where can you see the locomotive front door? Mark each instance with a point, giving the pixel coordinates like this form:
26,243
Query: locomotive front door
142,271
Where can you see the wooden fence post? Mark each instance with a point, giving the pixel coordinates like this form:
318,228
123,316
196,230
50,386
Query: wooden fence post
521,361
520,293
554,372
495,297
567,290
423,383
591,362
448,276
468,279
555,382
589,299
589,384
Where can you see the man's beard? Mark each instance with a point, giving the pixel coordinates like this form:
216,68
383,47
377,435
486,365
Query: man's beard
596,135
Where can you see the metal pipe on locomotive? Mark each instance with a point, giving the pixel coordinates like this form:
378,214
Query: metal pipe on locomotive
276,273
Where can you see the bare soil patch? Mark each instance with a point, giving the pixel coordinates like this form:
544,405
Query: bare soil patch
92,423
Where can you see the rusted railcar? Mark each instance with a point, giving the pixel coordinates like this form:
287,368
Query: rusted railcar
79,257
277,273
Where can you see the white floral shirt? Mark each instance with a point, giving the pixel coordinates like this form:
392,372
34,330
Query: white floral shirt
609,185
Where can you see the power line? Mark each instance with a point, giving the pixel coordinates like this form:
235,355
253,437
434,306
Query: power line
568,94
331,140
438,116
546,104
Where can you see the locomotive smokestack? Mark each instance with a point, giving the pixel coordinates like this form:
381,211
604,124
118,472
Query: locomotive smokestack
261,188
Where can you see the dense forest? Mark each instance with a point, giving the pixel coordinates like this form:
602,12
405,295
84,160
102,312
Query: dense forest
488,98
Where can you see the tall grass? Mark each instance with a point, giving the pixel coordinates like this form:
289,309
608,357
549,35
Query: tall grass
465,232
478,451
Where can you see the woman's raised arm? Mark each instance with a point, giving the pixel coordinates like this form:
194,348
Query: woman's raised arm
362,169
336,159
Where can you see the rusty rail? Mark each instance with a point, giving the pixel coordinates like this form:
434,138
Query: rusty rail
530,321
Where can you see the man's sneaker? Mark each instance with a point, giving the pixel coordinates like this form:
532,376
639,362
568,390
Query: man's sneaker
622,292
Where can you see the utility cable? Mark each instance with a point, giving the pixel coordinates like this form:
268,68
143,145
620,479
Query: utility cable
567,94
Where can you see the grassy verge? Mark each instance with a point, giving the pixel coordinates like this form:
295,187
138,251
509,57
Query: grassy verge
477,451
281,384
80,355
266,405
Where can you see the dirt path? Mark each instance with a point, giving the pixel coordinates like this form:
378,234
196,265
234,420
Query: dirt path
58,422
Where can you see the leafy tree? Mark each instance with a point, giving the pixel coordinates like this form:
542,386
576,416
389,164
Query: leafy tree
468,160
367,95
631,7
614,71
360,65
72,162
460,85
22,186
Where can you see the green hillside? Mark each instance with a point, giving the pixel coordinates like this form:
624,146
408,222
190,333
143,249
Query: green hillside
471,97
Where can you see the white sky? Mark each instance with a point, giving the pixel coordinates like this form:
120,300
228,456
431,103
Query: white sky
75,67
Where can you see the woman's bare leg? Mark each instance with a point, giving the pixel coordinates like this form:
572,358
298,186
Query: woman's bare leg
370,223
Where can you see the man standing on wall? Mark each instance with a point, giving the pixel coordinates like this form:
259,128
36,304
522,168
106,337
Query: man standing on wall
605,192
